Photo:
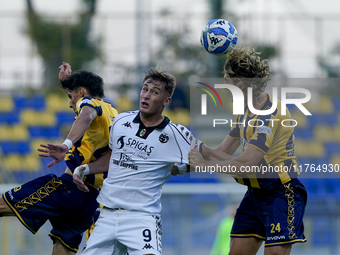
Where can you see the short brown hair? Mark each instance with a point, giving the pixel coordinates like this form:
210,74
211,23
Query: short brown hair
167,79
246,63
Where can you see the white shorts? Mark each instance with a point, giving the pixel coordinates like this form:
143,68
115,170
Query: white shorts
118,232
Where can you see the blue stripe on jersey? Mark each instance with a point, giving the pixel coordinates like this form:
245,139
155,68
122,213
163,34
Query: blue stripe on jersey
260,142
235,132
290,143
100,152
91,178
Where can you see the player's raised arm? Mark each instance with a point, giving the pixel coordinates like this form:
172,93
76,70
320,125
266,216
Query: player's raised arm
79,126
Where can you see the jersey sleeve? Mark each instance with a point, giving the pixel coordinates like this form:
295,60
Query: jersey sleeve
182,138
88,102
235,129
264,135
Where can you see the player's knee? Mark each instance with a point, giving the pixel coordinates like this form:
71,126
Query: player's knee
278,250
60,249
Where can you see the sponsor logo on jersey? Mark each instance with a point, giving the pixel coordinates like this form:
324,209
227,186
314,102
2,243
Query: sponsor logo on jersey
163,138
124,164
120,141
264,130
269,238
147,246
244,143
127,124
134,147
125,158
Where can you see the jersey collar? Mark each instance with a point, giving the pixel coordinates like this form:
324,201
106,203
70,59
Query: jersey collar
159,126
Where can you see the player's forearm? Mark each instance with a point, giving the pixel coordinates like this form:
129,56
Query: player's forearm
237,164
101,165
214,154
79,127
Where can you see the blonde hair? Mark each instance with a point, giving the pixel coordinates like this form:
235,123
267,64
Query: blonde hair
246,63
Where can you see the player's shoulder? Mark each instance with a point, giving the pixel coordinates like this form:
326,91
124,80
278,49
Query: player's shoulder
180,131
85,100
126,115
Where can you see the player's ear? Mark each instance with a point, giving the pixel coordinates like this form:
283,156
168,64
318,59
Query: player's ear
82,91
167,101
239,82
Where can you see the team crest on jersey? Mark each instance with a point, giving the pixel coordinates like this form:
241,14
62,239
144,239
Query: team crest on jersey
127,124
164,138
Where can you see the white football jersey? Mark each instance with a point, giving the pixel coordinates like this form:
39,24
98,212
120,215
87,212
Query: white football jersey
141,162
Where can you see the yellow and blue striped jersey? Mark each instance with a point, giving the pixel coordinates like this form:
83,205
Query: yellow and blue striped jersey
95,140
273,134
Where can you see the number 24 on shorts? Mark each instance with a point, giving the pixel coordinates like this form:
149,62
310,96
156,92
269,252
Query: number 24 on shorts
275,228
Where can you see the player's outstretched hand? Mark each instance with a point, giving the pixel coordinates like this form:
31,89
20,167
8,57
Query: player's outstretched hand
78,176
64,71
196,158
56,151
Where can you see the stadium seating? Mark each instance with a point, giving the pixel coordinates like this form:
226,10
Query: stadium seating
27,121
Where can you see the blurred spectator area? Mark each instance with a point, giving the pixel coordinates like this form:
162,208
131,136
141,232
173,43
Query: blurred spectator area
28,121
317,141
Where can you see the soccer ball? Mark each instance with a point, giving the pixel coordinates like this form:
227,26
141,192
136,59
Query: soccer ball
218,36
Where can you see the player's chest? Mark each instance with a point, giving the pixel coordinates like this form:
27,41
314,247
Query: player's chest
135,143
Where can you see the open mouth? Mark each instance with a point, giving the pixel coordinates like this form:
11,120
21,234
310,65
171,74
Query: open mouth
145,104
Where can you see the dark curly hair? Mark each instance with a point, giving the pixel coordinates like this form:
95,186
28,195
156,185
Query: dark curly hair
84,79
167,79
245,63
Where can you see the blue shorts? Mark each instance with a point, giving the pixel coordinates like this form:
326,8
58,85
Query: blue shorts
57,199
272,215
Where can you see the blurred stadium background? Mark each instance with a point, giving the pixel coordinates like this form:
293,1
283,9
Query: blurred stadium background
121,40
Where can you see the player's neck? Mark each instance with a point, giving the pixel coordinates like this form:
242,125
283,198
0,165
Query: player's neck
151,120
259,101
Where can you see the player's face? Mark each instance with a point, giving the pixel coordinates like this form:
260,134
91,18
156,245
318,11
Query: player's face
153,98
74,96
